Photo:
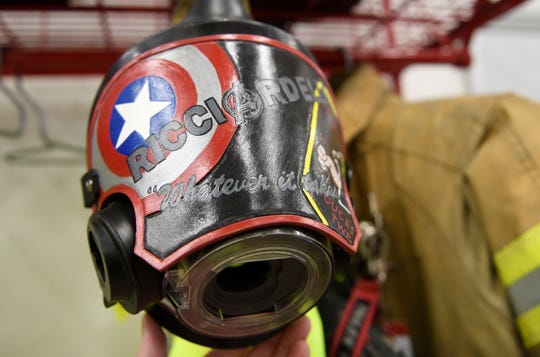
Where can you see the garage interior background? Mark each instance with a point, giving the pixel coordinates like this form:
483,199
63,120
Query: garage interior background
50,301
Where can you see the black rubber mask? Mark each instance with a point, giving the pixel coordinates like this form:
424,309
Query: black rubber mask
217,178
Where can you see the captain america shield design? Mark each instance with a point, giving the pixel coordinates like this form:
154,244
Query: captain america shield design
162,116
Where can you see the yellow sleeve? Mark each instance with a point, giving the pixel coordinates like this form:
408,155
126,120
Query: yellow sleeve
181,347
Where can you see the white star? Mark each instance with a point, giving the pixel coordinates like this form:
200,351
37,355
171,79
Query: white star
137,114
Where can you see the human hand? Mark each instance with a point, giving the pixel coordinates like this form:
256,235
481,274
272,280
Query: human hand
290,342
153,339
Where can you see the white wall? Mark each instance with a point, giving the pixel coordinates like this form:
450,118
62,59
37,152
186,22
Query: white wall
430,81
505,58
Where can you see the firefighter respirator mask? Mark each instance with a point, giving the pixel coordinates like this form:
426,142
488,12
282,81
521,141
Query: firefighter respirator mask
216,175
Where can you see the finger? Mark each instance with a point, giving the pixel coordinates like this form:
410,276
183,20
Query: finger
289,342
296,332
153,340
299,349
240,352
266,348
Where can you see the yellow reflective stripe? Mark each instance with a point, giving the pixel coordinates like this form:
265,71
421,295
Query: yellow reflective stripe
525,293
518,264
529,326
519,257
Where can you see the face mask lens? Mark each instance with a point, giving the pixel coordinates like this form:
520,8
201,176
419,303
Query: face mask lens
243,278
255,287
251,284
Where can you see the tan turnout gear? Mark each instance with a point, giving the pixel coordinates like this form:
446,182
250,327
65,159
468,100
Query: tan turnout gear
457,182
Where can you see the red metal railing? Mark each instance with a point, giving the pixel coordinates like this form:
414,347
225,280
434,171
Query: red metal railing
89,35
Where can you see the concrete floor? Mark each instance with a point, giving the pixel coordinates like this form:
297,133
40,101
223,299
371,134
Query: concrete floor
50,301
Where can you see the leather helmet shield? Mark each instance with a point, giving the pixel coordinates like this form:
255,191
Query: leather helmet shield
221,135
